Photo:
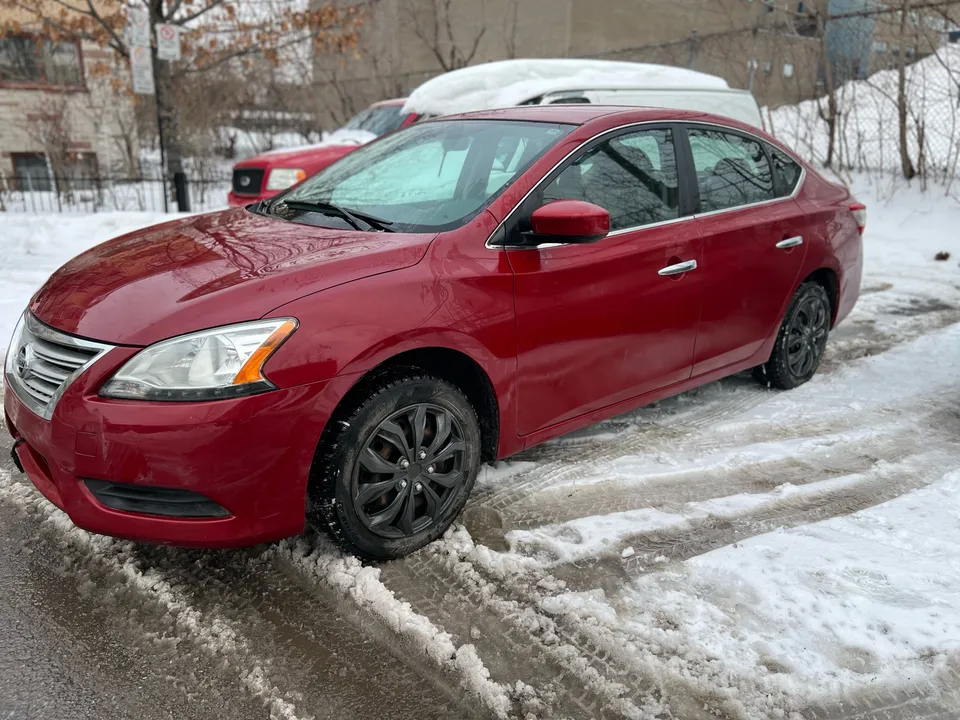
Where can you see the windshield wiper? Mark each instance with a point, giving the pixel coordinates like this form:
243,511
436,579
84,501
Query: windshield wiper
352,217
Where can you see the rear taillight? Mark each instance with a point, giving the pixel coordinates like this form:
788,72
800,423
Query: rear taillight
859,211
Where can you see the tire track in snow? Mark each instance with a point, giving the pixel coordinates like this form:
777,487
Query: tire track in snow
214,634
753,468
317,639
653,550
515,638
263,612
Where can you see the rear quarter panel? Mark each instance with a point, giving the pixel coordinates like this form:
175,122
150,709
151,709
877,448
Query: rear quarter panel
836,241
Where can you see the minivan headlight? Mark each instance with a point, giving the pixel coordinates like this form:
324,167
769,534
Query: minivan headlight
282,178
212,364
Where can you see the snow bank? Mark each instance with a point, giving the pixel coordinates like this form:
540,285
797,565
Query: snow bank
511,82
868,128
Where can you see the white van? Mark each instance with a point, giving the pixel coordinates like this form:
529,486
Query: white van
601,82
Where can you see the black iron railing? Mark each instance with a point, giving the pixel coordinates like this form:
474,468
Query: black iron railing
82,193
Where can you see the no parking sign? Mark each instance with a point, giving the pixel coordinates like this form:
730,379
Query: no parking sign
168,42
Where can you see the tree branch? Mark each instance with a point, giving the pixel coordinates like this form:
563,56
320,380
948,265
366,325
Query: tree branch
198,13
113,34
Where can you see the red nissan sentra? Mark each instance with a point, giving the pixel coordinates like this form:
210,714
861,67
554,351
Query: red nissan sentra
349,352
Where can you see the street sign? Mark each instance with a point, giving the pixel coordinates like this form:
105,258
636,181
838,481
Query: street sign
141,67
138,27
168,42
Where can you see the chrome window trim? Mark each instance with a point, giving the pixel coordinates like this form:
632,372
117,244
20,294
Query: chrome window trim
721,128
45,332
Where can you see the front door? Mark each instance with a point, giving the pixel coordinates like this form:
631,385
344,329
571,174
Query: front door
601,323
753,246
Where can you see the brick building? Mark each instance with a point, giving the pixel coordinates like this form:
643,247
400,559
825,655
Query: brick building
58,117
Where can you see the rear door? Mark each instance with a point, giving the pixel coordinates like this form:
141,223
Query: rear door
753,245
599,323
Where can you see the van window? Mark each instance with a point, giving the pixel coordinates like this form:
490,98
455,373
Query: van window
634,177
732,170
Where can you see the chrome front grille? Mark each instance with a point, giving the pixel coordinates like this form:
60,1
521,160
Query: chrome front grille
42,362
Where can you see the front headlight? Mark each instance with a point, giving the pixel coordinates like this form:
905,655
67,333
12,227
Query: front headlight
221,363
282,178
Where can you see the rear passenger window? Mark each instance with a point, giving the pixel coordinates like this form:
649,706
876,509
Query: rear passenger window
732,170
634,177
786,170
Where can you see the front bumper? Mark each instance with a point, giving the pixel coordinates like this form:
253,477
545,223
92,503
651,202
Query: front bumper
251,456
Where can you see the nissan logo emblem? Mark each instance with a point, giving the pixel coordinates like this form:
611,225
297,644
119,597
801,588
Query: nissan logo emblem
23,360
244,181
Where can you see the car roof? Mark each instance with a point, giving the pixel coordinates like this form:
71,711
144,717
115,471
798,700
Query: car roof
575,114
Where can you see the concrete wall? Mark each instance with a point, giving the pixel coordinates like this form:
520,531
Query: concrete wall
758,44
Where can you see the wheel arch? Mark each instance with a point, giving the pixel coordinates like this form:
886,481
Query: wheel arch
454,366
827,278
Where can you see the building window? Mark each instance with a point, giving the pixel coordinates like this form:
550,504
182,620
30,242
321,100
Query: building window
33,60
879,46
31,172
80,171
767,67
911,52
788,70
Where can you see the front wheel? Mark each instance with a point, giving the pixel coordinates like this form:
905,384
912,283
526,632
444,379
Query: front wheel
801,340
399,469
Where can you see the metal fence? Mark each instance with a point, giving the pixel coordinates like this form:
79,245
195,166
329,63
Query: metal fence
91,193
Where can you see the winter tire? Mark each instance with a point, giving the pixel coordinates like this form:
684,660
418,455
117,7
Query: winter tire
801,340
398,470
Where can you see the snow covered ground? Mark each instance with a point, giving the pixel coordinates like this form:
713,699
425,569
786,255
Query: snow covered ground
733,552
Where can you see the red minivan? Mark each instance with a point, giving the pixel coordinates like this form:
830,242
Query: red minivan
270,173
351,351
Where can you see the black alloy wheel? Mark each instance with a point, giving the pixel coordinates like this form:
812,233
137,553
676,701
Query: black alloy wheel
807,335
394,469
409,471
801,340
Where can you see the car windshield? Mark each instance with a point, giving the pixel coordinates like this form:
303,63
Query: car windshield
430,177
378,120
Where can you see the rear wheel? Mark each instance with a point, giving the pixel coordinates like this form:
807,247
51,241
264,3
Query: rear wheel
399,469
801,340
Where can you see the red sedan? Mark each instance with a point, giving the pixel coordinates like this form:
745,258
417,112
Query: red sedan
351,351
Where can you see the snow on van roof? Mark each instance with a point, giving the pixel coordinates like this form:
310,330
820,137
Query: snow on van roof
510,82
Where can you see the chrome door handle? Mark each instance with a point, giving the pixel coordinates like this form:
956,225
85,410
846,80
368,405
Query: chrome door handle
679,268
790,242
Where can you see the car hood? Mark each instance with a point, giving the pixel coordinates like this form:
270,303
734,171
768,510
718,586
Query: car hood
280,158
209,270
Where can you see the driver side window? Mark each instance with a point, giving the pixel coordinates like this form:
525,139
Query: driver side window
633,176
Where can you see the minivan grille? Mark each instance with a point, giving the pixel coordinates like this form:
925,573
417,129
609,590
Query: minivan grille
247,181
42,362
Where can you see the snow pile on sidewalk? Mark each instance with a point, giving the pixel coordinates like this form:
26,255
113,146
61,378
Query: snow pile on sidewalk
869,129
507,83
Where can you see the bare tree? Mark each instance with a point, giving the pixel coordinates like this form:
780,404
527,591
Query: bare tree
216,33
433,23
